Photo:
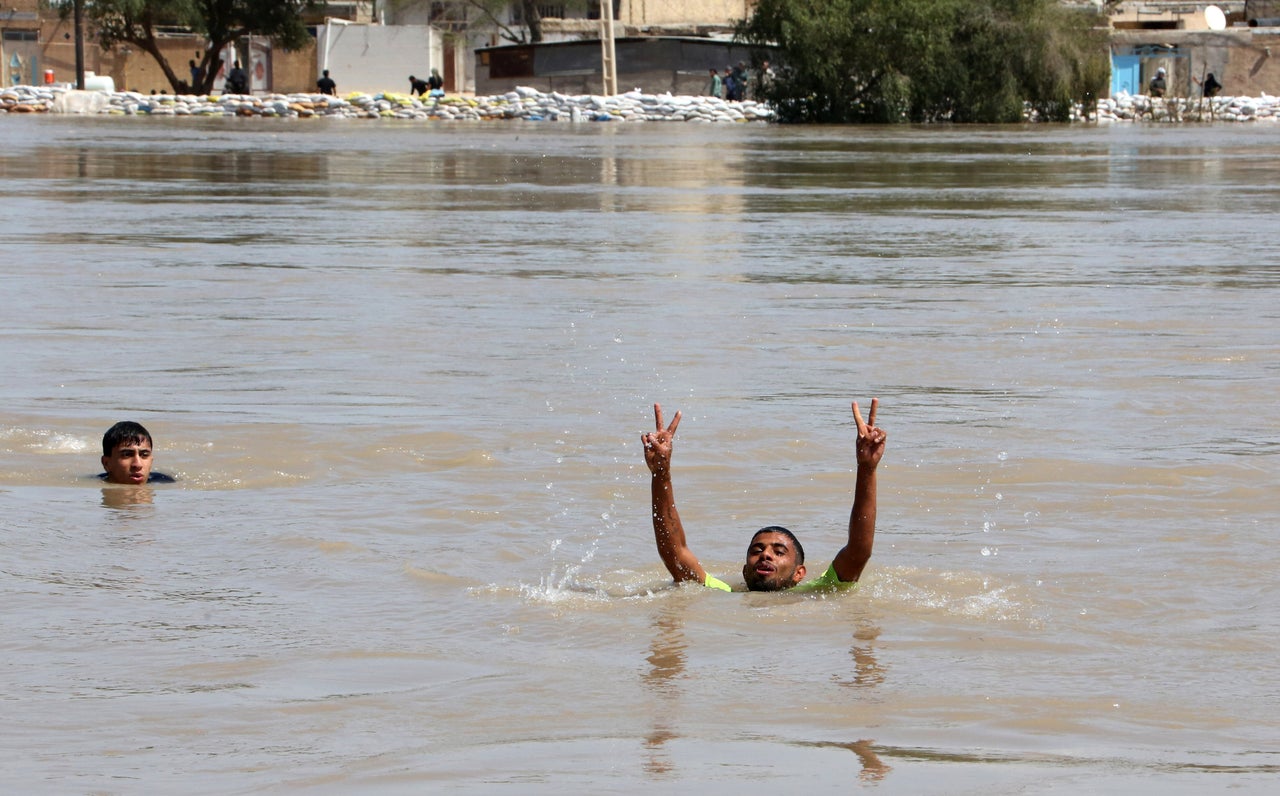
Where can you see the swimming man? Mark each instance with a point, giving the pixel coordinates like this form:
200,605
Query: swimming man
775,559
126,456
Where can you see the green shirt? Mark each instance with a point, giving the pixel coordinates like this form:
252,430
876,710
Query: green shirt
829,581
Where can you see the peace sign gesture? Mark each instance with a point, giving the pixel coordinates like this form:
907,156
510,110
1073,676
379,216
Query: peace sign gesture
870,444
658,443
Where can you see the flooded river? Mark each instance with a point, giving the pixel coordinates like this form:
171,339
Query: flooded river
401,371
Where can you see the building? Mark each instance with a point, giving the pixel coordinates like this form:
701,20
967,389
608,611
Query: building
1231,40
664,45
22,35
653,64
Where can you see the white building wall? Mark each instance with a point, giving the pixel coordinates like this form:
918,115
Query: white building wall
375,58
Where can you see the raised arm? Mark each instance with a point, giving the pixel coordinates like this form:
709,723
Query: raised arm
668,533
853,557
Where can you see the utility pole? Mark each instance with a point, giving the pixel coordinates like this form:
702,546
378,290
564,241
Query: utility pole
79,23
609,64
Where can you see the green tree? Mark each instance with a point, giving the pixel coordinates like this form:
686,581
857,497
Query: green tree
220,22
927,60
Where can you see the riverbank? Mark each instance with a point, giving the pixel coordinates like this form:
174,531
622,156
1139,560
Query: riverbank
1142,108
532,105
522,103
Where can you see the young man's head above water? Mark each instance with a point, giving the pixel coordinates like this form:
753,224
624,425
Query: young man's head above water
126,455
775,558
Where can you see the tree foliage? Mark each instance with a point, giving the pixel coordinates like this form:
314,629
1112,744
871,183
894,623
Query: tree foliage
221,22
494,13
927,60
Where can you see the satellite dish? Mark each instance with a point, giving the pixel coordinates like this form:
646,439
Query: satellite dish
1215,18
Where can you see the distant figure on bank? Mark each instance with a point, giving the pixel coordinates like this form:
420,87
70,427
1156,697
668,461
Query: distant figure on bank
775,559
237,80
126,456
436,83
1156,87
716,87
767,76
418,87
326,85
197,75
730,84
1210,87
741,81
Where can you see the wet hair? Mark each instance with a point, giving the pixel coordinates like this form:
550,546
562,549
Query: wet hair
786,533
126,431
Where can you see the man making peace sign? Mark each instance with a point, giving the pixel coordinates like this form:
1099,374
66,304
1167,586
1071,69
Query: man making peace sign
775,559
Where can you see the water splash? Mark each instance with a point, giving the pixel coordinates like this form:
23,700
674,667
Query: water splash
964,594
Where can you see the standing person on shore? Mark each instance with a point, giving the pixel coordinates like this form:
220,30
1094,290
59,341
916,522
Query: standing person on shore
326,85
730,86
767,76
775,559
237,80
1156,87
741,80
1210,87
716,87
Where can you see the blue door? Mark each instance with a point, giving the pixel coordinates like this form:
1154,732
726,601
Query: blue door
1126,74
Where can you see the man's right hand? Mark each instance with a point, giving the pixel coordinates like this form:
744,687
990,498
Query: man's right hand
870,442
658,443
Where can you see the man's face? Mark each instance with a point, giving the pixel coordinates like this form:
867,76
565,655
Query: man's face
771,563
129,463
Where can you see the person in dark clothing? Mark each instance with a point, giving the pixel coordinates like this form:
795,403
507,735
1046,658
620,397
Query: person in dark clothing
1211,87
730,85
197,75
237,80
741,79
418,87
326,85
